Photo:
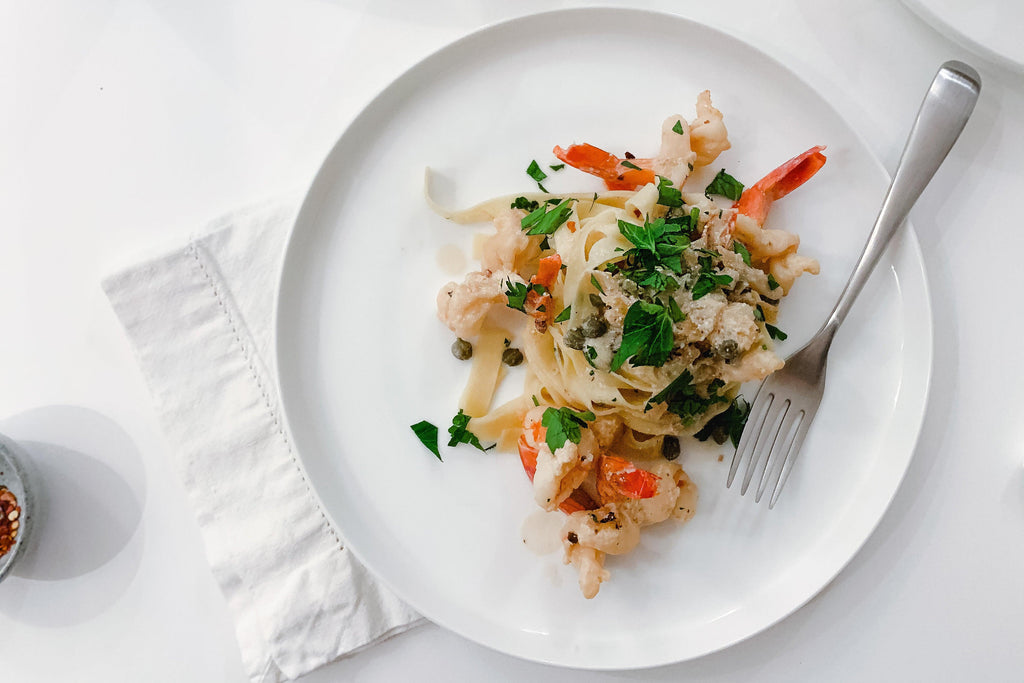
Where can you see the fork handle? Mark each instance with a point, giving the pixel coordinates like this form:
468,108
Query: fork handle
943,114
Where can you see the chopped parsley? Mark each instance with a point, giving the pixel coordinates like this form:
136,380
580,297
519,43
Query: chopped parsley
516,293
535,172
556,167
630,164
678,130
725,185
657,247
646,336
427,434
775,333
525,204
563,424
728,424
668,195
540,221
708,280
597,285
772,282
564,315
738,247
590,354
682,398
460,434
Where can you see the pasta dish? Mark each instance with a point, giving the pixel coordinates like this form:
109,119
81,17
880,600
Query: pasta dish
637,313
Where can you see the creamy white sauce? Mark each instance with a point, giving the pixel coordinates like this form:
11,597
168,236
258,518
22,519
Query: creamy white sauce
542,531
451,259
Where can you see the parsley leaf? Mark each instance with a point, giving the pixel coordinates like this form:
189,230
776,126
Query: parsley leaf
775,333
533,170
738,247
728,424
525,204
668,195
657,250
460,434
544,222
630,164
646,336
516,293
556,167
725,185
678,129
563,424
564,315
708,280
772,282
427,434
597,285
682,398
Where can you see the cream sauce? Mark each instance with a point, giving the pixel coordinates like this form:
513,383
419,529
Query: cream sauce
451,259
542,531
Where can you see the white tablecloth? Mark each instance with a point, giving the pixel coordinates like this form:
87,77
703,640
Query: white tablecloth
124,125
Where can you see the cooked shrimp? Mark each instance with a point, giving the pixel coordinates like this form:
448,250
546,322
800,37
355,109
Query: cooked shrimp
675,159
757,199
509,248
708,136
615,172
557,475
463,306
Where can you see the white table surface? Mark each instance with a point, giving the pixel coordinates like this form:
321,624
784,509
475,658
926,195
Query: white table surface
126,125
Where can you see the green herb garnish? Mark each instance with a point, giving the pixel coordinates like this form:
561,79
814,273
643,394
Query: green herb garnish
564,315
646,336
556,167
668,195
678,130
772,283
535,172
682,398
728,424
775,333
597,285
708,280
460,434
563,424
525,204
543,222
630,164
738,247
725,185
427,434
516,293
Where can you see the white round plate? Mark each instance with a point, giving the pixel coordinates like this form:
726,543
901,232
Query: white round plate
989,28
361,354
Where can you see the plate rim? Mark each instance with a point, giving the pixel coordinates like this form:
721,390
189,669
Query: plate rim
949,31
309,210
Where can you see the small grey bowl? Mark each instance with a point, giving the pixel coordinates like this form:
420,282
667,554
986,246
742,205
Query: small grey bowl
13,478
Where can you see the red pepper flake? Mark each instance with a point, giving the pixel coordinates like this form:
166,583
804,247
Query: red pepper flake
10,520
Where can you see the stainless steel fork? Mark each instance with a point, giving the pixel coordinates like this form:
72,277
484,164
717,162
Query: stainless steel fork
784,407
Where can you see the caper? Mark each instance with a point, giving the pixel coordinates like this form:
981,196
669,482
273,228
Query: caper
574,339
512,357
462,349
597,302
728,349
719,433
670,448
594,326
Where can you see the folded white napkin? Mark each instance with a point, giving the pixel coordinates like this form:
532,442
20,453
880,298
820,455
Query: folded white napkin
200,319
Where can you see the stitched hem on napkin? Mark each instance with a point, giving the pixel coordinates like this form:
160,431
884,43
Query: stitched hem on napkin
199,319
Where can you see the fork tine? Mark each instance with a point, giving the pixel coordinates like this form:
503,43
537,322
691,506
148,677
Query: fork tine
794,451
759,408
765,439
780,451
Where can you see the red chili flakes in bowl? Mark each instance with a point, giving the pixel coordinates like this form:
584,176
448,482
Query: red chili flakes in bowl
10,515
